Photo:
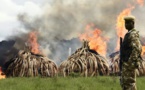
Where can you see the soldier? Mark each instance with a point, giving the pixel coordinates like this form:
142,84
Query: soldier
130,54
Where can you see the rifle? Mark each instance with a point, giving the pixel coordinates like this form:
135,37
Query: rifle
121,61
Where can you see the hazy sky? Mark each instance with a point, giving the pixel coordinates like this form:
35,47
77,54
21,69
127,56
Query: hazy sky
9,9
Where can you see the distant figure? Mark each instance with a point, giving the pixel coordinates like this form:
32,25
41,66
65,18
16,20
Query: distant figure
130,55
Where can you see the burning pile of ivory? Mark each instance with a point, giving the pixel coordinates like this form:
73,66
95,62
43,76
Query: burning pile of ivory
84,62
114,65
28,64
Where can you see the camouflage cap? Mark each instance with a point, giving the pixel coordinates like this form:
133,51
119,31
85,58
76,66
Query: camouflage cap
129,18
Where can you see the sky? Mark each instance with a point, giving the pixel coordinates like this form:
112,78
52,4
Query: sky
9,9
69,16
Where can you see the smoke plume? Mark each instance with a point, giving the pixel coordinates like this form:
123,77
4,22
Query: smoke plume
60,25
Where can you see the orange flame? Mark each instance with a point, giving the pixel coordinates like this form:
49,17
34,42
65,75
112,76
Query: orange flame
143,50
2,76
143,47
96,41
120,24
140,2
34,46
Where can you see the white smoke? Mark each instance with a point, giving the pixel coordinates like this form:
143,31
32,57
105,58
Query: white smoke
63,20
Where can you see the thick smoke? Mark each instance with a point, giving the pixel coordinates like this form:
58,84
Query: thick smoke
60,25
6,51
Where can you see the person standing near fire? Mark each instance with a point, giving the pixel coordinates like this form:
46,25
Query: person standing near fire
130,55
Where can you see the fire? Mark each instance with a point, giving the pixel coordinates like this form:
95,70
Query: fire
120,24
143,47
2,76
96,41
143,50
32,40
140,2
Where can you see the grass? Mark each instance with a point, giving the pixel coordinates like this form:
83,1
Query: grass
68,83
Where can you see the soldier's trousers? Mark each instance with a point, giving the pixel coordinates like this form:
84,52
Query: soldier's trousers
128,79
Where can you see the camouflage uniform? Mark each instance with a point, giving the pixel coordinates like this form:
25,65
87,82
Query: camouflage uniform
131,51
